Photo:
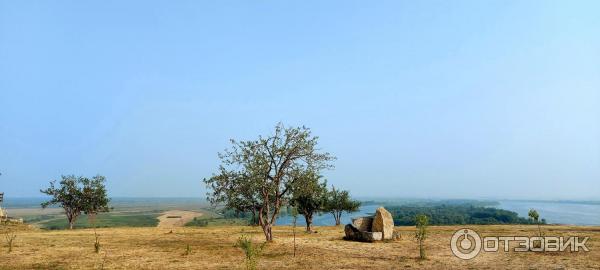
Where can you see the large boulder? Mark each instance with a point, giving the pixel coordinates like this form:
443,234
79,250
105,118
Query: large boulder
353,234
383,223
363,223
370,236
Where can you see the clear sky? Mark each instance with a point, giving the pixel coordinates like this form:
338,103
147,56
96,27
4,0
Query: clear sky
455,99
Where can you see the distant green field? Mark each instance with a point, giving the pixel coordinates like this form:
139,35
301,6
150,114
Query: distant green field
105,220
125,212
204,222
211,218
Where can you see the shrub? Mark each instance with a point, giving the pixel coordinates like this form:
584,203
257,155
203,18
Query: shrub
421,222
188,250
251,251
96,242
10,237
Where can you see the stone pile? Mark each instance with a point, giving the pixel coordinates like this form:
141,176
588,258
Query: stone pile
4,218
369,229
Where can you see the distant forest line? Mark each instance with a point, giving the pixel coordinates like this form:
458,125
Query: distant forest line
456,215
452,212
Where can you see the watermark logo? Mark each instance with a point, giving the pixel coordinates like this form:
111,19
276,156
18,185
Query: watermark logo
467,244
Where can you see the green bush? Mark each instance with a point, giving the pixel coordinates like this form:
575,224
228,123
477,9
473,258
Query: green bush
251,250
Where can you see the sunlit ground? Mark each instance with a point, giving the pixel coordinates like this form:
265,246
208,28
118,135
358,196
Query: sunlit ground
213,248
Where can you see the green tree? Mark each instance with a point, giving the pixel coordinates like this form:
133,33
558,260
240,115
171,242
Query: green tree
77,195
535,216
308,196
237,191
421,222
94,196
262,172
339,201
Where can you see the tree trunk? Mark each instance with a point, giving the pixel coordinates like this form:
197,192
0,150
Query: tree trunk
294,230
421,250
538,245
308,218
71,217
337,217
254,220
266,223
268,231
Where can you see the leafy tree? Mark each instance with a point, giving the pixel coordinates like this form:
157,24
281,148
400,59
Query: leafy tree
259,174
535,216
77,195
236,191
94,197
308,196
421,222
339,201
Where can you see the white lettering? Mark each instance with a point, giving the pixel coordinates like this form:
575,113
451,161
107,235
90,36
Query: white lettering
569,243
523,244
536,244
581,244
490,240
506,240
552,243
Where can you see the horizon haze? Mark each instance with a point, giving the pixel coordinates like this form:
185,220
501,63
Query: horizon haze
427,99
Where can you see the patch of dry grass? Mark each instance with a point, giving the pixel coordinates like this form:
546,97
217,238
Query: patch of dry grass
213,248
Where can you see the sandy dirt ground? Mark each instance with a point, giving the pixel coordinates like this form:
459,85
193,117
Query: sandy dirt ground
214,248
176,218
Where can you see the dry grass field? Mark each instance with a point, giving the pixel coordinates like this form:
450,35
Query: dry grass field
213,248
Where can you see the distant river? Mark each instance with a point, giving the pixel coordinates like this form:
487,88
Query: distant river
557,212
553,212
327,219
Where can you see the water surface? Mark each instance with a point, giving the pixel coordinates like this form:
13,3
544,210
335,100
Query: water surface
575,213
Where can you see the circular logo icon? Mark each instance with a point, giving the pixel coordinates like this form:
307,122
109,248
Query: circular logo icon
465,244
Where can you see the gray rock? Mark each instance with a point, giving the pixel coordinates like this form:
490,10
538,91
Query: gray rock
353,234
371,236
364,224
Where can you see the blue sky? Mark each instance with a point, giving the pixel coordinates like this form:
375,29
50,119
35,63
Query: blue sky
453,99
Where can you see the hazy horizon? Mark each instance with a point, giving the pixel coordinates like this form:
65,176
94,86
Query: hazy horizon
465,100
360,198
